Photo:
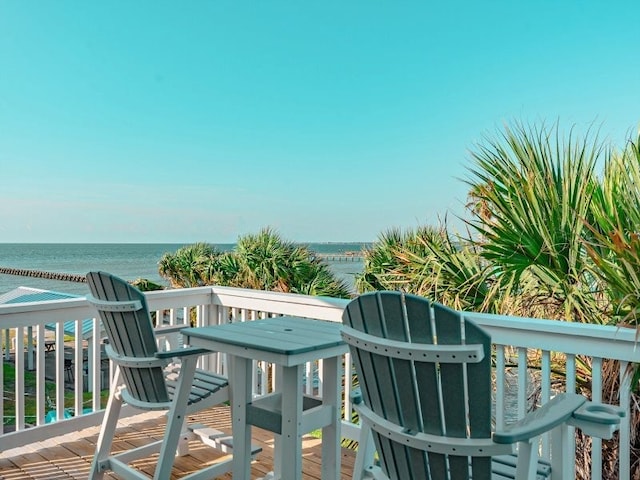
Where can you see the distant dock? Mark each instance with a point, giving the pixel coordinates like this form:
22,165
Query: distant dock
72,277
341,257
65,277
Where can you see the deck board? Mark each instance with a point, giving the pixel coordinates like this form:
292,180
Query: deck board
69,457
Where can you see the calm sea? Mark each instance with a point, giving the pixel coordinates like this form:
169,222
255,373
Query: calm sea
129,261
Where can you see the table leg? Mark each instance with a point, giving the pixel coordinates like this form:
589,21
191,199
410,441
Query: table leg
240,376
277,439
291,438
331,393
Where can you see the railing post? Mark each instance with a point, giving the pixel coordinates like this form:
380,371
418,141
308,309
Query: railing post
500,386
596,396
624,445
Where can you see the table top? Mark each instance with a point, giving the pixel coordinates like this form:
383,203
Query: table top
282,336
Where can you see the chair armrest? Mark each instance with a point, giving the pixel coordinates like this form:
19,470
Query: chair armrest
553,413
182,352
168,329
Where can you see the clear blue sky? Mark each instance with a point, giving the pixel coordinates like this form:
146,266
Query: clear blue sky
184,121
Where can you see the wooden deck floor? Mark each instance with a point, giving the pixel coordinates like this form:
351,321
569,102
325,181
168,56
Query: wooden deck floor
69,457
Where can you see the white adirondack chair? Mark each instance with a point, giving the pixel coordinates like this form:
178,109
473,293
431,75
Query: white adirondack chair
150,380
425,378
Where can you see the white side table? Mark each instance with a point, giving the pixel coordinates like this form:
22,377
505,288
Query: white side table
288,342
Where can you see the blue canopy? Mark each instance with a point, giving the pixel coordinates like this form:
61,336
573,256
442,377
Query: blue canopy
28,294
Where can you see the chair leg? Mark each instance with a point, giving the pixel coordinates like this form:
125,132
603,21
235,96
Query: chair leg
366,450
175,420
561,464
527,459
107,432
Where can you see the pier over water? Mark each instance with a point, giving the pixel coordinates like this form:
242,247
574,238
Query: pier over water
67,277
341,257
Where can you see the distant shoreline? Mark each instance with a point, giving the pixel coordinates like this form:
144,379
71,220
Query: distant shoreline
129,261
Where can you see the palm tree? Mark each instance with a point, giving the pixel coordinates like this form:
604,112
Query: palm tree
146,285
427,261
538,188
266,261
380,261
262,261
614,245
189,266
614,248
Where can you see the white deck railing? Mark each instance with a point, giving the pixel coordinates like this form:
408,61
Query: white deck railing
523,346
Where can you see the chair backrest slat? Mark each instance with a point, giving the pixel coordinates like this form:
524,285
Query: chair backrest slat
379,394
130,334
406,401
420,319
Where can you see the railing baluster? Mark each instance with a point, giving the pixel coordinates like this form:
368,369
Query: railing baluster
522,393
19,385
40,379
60,373
500,386
93,367
596,396
96,328
545,395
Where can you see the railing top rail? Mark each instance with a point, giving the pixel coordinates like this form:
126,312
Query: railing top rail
322,308
573,338
604,341
32,313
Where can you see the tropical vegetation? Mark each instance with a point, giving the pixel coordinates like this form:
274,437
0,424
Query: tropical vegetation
547,236
552,231
262,261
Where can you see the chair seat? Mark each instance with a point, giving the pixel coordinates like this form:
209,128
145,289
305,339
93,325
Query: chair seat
504,467
204,384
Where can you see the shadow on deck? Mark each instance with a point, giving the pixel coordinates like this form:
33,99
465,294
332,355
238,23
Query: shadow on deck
69,456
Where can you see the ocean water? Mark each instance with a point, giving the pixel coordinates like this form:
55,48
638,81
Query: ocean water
129,261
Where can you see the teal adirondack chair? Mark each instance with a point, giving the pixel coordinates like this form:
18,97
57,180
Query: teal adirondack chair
425,378
148,379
